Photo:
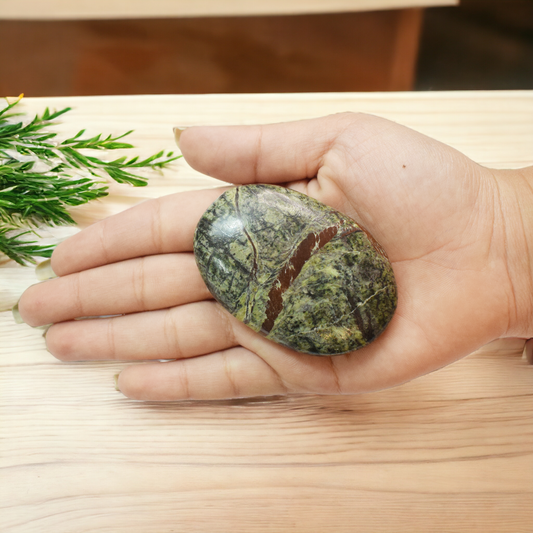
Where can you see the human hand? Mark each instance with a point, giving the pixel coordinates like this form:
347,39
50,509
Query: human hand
449,226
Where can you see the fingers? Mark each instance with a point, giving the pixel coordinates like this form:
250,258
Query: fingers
154,227
148,283
273,153
180,332
233,373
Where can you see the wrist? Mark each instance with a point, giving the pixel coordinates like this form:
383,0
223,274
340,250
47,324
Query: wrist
514,214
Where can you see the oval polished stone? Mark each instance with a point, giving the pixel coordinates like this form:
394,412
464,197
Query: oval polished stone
299,272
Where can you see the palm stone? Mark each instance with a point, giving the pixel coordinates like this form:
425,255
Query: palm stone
295,270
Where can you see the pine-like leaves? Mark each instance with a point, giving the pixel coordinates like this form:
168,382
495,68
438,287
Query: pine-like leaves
40,178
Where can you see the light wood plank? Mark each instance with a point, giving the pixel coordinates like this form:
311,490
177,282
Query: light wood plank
452,451
495,128
90,9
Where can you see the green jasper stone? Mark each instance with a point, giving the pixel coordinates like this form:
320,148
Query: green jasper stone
297,271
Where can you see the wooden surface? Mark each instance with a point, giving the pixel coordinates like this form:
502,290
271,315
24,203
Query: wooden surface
90,9
449,452
364,51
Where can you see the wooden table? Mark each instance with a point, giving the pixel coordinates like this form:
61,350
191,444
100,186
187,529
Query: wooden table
449,452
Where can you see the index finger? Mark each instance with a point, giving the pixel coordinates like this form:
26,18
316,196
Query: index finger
160,226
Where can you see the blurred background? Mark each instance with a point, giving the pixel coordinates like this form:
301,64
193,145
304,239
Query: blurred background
478,44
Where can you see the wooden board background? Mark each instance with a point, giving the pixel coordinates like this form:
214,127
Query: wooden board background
452,451
360,51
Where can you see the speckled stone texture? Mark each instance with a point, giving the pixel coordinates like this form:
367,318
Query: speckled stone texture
299,272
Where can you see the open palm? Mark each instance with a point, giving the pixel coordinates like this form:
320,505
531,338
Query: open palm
430,207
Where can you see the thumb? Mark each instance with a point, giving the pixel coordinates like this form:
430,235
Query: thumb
273,153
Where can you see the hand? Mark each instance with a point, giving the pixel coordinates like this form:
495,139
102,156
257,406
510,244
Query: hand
444,221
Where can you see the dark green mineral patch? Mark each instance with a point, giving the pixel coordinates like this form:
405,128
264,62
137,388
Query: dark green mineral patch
295,270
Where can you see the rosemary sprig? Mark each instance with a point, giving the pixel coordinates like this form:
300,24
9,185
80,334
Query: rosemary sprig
40,177
21,251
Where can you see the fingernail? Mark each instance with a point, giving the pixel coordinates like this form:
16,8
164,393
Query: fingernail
528,351
116,382
44,271
16,314
177,135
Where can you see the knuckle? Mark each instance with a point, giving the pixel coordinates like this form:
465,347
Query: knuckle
156,226
184,380
102,227
171,335
139,282
335,385
231,376
76,294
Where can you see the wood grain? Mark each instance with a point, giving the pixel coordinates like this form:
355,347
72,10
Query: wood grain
451,451
91,9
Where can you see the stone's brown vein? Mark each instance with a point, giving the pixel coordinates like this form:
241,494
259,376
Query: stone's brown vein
349,231
253,271
312,243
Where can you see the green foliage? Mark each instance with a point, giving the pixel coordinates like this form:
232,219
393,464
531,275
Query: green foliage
40,178
22,251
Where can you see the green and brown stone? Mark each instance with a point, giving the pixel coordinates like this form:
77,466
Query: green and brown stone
299,272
